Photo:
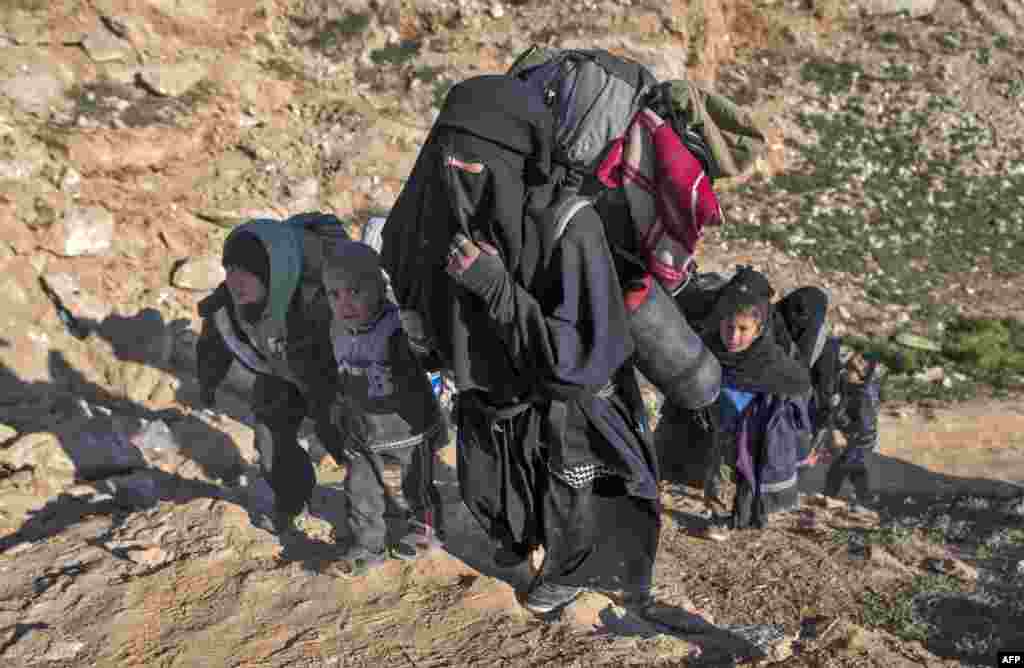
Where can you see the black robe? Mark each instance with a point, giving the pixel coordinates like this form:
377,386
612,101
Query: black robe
545,337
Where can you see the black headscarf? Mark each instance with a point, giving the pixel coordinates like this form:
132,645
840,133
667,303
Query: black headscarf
764,366
246,251
498,121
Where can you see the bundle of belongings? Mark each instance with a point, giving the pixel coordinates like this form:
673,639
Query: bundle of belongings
566,139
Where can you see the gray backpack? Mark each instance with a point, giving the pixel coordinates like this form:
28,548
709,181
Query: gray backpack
594,95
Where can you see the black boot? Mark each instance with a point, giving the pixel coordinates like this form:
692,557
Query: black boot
862,499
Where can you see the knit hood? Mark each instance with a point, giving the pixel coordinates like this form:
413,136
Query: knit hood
283,243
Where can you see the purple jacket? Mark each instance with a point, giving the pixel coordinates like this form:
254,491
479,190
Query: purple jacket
771,435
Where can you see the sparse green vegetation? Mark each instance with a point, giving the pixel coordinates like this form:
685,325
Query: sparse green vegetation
695,30
897,71
994,347
894,611
201,93
890,38
427,74
934,534
890,535
980,350
887,190
950,40
441,88
832,77
396,54
283,69
829,10
26,5
338,32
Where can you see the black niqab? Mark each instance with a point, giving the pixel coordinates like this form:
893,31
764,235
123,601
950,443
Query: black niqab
494,120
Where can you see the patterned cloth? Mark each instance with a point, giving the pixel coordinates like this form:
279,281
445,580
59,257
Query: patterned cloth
669,196
582,475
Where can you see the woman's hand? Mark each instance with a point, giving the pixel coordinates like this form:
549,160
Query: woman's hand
463,252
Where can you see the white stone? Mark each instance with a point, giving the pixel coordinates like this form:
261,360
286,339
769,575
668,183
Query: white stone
71,181
200,273
86,231
935,374
63,650
103,46
33,93
81,303
171,80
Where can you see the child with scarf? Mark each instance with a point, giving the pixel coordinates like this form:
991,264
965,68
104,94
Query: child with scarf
385,411
760,422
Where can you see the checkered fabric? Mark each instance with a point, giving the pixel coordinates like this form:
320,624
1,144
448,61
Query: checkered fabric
583,474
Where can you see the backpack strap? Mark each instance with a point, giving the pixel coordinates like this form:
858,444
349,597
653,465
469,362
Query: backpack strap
565,211
555,219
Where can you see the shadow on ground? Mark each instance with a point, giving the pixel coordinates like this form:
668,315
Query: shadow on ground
979,522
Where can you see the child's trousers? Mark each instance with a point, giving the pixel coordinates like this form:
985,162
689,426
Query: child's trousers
370,487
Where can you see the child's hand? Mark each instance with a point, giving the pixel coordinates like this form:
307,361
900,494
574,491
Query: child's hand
856,369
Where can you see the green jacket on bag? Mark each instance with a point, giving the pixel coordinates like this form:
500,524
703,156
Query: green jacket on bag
733,134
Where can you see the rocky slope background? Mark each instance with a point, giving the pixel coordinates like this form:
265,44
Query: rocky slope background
134,135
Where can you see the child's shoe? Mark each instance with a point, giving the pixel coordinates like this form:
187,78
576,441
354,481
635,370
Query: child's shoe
359,561
420,538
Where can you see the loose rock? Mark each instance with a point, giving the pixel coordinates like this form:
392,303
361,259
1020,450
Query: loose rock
201,273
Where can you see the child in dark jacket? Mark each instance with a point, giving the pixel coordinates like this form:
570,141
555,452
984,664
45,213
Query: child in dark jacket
762,417
860,398
385,410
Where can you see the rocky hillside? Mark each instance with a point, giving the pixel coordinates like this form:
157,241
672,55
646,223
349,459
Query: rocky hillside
135,134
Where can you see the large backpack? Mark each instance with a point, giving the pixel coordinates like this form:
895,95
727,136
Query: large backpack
319,232
594,94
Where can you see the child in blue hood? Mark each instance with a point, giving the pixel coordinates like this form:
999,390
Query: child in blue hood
267,318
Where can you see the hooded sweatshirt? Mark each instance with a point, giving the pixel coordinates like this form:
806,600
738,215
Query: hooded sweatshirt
290,340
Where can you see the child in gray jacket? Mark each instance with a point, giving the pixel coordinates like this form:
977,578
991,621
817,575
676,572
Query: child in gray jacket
385,410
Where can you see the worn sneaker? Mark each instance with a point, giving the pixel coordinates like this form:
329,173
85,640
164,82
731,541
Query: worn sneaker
860,504
425,535
359,561
420,539
548,597
717,528
280,522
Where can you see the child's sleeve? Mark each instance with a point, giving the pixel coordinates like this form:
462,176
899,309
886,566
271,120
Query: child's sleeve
407,368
